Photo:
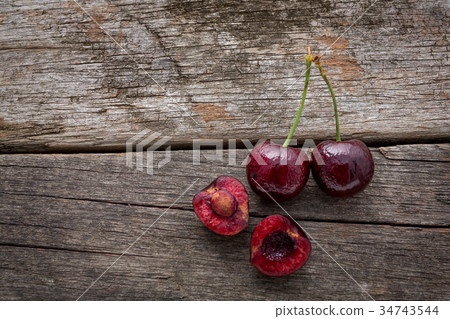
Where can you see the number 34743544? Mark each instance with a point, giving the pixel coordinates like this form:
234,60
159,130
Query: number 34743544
409,310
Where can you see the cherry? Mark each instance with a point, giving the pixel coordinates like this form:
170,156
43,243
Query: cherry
278,171
341,168
347,167
222,206
279,246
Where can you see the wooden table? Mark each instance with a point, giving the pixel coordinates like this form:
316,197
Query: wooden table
79,79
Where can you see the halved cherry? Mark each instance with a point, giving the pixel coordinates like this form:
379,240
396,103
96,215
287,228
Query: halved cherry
222,206
279,246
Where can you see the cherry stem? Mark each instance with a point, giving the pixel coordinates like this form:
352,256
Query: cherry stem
299,112
336,116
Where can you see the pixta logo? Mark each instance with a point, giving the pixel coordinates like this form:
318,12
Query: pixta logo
145,143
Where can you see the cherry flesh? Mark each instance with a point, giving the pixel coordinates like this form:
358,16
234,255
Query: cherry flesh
222,206
279,246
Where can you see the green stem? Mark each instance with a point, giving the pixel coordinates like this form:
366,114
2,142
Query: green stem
299,112
336,116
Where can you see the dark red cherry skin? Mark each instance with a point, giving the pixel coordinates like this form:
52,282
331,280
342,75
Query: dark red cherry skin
279,246
222,206
280,171
347,167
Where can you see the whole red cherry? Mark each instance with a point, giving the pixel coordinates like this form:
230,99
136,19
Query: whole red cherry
341,168
278,171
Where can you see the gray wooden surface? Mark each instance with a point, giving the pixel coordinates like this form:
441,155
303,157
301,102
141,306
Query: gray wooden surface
65,218
220,65
77,84
404,191
180,259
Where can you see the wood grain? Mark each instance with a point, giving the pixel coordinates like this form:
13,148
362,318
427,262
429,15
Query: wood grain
220,65
87,77
404,191
53,248
414,152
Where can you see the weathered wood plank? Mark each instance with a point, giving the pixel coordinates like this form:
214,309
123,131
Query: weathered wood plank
65,85
55,248
424,152
404,190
